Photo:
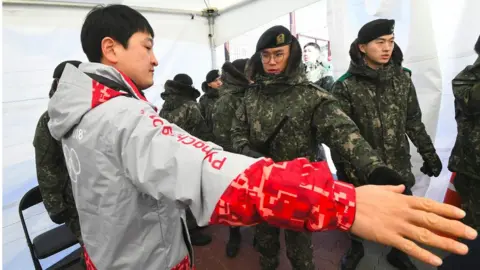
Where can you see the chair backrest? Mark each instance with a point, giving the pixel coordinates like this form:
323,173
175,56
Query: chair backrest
31,198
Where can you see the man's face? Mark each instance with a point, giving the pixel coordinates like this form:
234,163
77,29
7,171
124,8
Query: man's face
216,84
275,60
378,51
137,61
311,54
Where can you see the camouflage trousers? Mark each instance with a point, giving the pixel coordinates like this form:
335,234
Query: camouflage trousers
469,190
299,248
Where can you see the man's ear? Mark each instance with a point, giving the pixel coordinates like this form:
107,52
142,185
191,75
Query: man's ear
363,48
108,50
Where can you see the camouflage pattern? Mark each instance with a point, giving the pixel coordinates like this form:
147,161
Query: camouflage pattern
231,96
465,156
384,105
469,191
207,101
299,247
53,179
180,107
319,74
313,117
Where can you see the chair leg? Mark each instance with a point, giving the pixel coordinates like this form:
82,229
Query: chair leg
37,264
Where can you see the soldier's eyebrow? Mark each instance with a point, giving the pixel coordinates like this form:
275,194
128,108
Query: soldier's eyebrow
149,39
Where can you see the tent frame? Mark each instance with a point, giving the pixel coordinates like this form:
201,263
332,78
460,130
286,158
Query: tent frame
210,13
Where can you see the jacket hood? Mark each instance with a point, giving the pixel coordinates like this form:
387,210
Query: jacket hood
176,94
469,75
360,68
177,89
209,92
233,79
294,74
82,89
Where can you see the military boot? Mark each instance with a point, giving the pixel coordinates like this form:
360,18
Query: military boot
353,256
400,260
199,239
233,245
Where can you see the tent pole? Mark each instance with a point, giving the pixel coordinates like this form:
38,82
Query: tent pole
211,38
211,13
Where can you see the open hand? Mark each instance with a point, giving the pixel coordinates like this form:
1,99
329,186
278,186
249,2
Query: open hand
386,216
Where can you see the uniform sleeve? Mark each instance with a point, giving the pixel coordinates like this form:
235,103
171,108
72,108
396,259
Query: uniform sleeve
339,91
198,125
221,187
240,129
414,126
222,117
52,173
339,132
202,106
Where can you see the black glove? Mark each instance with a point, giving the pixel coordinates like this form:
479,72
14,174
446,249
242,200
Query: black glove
432,165
246,151
59,218
387,176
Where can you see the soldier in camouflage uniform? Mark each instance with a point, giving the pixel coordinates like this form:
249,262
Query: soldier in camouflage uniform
181,108
379,96
319,72
317,68
231,95
281,91
52,173
210,87
465,156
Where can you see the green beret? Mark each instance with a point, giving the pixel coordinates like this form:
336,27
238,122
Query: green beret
274,37
375,29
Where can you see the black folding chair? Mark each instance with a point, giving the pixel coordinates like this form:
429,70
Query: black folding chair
49,242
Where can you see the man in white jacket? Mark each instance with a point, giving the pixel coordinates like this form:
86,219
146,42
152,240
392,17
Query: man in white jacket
133,173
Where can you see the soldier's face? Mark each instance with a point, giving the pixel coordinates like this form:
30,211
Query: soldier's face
216,84
275,60
311,54
379,51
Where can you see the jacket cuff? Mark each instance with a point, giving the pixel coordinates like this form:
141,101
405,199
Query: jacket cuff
345,204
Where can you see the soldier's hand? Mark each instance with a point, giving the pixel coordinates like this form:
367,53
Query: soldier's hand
385,216
432,165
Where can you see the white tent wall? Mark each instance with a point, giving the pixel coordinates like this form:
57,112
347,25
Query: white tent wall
247,17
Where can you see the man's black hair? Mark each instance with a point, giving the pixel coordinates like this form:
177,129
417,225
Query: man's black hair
118,22
313,44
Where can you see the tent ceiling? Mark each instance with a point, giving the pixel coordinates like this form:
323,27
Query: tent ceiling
235,16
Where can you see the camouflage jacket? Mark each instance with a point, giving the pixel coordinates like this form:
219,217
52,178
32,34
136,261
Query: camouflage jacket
52,174
313,113
232,92
207,101
465,157
180,107
384,105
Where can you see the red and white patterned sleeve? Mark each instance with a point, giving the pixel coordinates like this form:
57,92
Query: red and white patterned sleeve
297,195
